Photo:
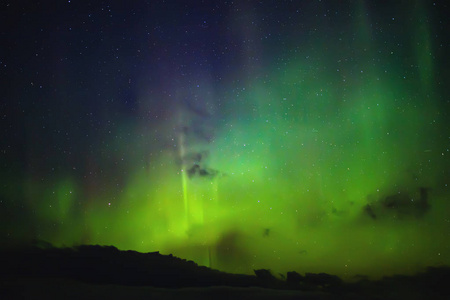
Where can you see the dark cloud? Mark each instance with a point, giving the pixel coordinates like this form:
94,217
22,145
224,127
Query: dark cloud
369,211
198,171
230,248
196,163
401,205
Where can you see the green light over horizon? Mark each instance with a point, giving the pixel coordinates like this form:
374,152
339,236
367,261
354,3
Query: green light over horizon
293,189
306,157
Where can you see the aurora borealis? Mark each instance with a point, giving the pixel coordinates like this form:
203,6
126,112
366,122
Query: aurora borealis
288,135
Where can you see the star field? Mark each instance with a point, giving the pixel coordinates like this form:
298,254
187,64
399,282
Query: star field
288,135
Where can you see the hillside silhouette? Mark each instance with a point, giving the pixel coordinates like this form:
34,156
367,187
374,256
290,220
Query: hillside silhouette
41,269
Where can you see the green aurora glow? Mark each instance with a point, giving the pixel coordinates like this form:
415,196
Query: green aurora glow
300,148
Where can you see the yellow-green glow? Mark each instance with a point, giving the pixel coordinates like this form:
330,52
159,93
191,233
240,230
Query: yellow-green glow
306,153
293,191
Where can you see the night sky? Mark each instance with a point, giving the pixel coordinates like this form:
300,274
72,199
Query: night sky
288,135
